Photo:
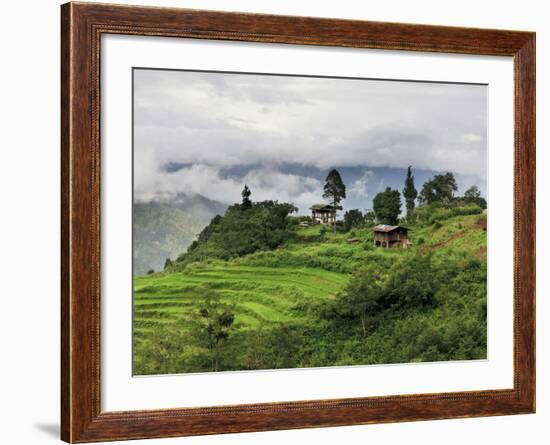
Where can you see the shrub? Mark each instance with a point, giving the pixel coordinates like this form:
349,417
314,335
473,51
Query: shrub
436,212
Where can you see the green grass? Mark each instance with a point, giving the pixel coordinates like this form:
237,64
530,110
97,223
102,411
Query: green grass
279,288
258,293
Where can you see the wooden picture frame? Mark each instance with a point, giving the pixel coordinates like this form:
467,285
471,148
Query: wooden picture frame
82,25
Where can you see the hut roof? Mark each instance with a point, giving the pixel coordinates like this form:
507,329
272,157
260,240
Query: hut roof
385,228
321,207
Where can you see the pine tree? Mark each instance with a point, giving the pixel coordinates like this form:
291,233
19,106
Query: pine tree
409,192
335,191
246,202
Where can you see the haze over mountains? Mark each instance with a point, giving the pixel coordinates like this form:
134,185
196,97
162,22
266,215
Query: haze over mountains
302,184
164,227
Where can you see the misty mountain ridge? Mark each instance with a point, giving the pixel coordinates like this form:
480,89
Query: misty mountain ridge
165,226
363,182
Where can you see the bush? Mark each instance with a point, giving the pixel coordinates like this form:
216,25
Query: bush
412,284
436,212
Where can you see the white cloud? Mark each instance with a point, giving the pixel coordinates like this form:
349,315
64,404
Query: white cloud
208,181
360,188
214,120
471,137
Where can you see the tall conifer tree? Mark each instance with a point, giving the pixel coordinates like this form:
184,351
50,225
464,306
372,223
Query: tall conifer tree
409,192
334,191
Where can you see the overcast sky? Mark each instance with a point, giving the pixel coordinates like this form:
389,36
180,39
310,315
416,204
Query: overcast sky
209,133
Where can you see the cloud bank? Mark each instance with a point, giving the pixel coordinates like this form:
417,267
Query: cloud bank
208,122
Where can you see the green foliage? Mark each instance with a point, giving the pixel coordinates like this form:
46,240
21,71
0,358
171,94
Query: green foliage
301,304
272,347
370,218
472,193
263,226
246,202
353,218
411,284
214,325
334,190
165,349
424,309
439,189
409,192
163,230
387,206
361,297
473,196
435,212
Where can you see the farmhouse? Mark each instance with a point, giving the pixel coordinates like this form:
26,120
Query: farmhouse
391,236
323,214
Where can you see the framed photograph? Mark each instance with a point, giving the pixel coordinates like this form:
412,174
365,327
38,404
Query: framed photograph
274,222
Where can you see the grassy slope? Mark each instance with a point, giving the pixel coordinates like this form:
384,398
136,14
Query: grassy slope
272,287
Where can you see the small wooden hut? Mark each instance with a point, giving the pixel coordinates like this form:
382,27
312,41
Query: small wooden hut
391,236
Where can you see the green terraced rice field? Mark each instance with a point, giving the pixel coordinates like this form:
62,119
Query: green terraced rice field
259,294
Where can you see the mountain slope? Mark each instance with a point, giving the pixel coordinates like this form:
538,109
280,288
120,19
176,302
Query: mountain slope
281,300
164,228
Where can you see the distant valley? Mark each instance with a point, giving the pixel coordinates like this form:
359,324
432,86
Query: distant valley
163,228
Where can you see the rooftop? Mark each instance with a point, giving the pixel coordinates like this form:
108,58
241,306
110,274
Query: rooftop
387,228
327,207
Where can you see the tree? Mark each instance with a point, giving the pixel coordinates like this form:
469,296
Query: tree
409,192
473,196
334,191
439,189
353,218
387,206
246,202
370,218
412,284
215,324
472,193
361,296
272,346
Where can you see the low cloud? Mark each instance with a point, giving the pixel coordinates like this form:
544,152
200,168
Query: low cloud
208,181
212,121
364,187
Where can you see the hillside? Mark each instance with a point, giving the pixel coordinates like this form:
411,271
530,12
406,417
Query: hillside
165,228
290,304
